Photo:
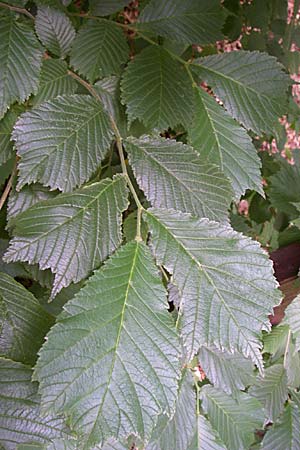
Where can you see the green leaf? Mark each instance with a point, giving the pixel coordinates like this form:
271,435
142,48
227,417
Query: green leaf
55,444
106,7
157,90
109,92
252,86
6,126
130,225
20,418
99,50
292,317
72,233
285,434
178,433
12,269
234,420
285,186
230,372
172,176
54,81
293,366
275,341
220,139
271,390
20,62
226,281
189,21
127,362
62,142
23,323
206,438
55,30
19,201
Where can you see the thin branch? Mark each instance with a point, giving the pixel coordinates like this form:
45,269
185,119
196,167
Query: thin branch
118,137
17,9
8,186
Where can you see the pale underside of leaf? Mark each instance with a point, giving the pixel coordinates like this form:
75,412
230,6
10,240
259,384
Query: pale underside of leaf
157,90
225,279
99,50
62,142
72,233
252,86
20,63
178,433
127,363
55,30
20,419
228,371
172,176
189,21
219,139
206,438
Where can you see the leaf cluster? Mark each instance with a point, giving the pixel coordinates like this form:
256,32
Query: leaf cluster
134,301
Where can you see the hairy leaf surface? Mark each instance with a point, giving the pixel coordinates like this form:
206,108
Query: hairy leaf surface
99,50
189,21
55,30
23,323
157,90
179,432
20,62
252,86
21,200
226,281
54,81
285,186
230,372
234,420
172,176
206,438
72,233
271,391
127,362
6,127
220,139
20,418
62,142
275,342
292,317
284,434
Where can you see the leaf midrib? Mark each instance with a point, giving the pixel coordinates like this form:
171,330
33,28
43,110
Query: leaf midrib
233,80
117,340
82,210
202,268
